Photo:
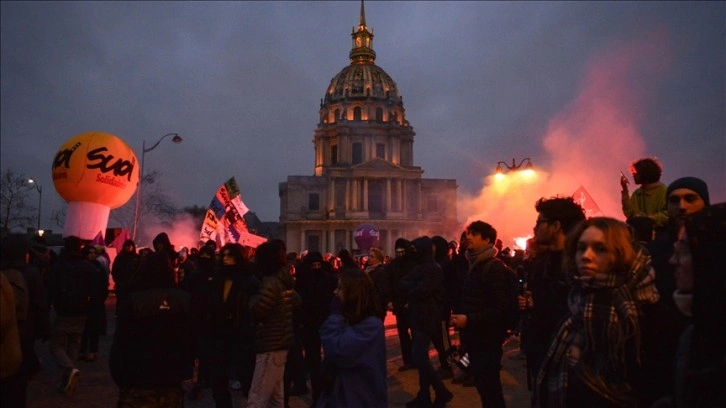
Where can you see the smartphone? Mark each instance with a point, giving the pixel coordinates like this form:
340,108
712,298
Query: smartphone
626,179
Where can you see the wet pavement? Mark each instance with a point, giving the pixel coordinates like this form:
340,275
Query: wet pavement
97,390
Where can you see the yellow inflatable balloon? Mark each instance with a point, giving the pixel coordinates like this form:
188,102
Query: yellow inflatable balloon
95,172
96,167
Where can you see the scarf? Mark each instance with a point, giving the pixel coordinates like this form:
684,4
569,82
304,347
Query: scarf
475,257
603,317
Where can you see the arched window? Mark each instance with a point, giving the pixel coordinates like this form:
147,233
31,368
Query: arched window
379,115
356,113
337,115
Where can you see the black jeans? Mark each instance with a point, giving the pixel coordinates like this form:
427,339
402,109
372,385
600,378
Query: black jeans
404,337
485,367
427,376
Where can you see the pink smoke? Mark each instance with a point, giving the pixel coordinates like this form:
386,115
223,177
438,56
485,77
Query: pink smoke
589,142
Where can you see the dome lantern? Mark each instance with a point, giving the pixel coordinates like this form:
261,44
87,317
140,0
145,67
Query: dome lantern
362,52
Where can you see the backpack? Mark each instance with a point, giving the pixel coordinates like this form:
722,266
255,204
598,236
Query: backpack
511,318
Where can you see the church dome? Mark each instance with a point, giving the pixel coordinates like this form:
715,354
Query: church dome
362,79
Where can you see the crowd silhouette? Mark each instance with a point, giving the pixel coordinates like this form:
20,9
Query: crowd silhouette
607,313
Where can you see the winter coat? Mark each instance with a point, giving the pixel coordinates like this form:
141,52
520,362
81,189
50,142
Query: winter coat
485,299
358,353
422,290
70,283
271,310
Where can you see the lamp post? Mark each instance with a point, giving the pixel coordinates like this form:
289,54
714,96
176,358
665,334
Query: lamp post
514,166
40,198
176,139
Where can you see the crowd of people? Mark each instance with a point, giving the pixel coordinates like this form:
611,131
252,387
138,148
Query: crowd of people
608,313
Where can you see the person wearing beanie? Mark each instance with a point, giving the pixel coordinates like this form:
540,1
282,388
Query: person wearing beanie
686,196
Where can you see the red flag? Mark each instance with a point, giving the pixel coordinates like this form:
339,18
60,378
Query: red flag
118,242
98,240
582,197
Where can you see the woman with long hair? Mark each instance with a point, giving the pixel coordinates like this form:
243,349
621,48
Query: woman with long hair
595,356
354,344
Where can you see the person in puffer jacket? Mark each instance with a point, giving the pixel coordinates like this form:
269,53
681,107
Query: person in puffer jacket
271,311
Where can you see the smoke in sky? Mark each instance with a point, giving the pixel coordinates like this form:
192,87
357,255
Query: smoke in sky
588,142
183,231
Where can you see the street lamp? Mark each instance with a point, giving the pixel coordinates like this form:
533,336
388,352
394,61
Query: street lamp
40,197
176,139
514,166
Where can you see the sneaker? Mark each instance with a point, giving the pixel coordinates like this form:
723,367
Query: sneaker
235,385
70,382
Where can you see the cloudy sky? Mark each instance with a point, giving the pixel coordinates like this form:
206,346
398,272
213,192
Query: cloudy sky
581,88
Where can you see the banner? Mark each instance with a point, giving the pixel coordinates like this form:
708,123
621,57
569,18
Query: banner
582,197
224,221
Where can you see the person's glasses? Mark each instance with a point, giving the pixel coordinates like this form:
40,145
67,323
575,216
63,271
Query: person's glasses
540,221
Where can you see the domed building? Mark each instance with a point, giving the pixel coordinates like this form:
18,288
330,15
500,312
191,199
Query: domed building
364,169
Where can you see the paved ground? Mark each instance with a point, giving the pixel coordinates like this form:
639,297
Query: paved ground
97,390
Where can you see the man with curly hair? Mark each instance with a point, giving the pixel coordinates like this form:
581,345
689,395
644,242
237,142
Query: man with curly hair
648,200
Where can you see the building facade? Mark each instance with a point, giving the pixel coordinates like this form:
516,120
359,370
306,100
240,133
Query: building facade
364,169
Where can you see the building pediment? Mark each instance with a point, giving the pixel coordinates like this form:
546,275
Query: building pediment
377,164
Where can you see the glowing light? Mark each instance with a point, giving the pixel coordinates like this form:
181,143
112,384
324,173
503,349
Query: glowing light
499,176
521,242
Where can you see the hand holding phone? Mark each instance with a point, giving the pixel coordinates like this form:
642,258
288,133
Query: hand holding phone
624,181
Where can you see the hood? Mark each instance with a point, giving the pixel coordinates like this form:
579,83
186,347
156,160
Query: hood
441,246
162,238
422,249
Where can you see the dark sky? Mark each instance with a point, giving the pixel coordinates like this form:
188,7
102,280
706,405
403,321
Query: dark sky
581,88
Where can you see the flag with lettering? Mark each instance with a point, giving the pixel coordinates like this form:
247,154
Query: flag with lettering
224,221
582,197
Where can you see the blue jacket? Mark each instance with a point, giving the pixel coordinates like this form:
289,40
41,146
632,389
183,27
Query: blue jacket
359,355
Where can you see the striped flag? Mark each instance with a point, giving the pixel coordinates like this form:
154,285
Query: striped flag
224,221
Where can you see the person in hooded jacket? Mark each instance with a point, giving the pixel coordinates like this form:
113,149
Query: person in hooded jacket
124,267
196,284
315,282
223,312
441,339
423,296
153,348
157,269
399,267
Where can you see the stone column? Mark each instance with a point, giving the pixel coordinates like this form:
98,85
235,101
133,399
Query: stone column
365,194
388,195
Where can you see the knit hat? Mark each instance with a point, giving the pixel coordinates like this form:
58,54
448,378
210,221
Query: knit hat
691,183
